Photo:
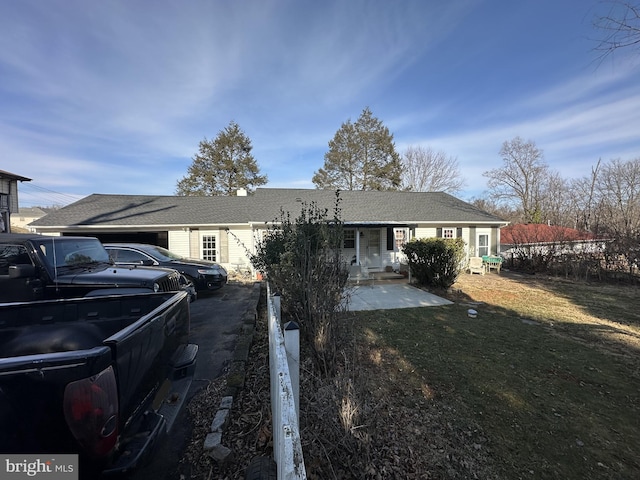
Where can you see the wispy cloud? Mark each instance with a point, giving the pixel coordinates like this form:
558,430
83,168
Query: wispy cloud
109,91
575,123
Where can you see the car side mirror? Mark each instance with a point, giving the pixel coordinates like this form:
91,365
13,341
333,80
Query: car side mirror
22,271
147,263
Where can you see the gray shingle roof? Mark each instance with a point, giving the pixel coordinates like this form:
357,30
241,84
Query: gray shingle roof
374,206
264,206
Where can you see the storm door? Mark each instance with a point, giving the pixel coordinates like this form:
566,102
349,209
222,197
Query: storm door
373,244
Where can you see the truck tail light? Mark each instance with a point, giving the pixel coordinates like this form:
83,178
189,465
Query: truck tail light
91,411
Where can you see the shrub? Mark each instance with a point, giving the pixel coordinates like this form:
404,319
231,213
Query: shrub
435,262
302,259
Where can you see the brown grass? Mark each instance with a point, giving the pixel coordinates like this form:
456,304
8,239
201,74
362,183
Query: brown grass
544,384
548,374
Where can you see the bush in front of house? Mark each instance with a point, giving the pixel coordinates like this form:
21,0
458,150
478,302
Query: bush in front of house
302,260
435,262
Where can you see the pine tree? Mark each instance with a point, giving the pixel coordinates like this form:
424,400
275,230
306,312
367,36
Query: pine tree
222,166
361,156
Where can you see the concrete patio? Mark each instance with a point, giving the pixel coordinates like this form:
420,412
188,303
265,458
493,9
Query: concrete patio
389,292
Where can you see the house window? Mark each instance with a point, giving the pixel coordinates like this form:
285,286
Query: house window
349,239
448,232
209,247
483,245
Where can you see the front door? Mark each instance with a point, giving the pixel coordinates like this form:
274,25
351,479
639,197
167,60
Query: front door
483,245
372,248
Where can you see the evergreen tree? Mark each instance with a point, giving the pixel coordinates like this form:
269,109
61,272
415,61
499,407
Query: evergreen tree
361,156
222,166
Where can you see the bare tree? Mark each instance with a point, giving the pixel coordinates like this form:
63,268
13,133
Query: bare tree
427,170
618,188
522,179
501,210
555,201
620,26
583,201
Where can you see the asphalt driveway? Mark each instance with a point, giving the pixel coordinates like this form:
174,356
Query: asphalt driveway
216,320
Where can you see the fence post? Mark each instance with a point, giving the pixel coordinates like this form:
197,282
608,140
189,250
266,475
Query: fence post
276,403
276,305
287,448
292,346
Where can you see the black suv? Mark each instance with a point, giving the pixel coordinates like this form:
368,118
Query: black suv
39,267
204,274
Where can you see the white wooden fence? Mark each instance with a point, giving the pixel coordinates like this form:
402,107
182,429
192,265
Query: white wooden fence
284,369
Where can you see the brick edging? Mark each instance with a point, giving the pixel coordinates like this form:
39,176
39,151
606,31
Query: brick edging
235,382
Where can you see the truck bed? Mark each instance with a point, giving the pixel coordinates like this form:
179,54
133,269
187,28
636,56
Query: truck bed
31,328
46,345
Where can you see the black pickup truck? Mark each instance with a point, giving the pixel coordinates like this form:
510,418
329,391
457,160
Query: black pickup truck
103,377
39,267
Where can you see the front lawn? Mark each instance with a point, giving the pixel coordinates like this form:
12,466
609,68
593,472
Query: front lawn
544,383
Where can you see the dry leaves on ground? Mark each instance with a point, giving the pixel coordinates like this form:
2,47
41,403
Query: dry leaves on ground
367,422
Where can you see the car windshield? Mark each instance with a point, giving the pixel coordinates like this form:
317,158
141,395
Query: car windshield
163,254
72,252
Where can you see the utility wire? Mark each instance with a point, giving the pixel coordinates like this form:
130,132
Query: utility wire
30,194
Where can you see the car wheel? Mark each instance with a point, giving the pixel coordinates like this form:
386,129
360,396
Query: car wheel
261,468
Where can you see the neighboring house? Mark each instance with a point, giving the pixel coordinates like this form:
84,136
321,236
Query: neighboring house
9,198
25,216
225,229
542,239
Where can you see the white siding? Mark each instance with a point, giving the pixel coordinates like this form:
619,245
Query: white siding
431,232
21,221
348,254
240,239
390,257
194,243
425,232
179,242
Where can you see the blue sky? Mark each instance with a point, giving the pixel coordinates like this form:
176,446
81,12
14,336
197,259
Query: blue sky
114,96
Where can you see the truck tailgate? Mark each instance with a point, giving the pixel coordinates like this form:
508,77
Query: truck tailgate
31,398
143,351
